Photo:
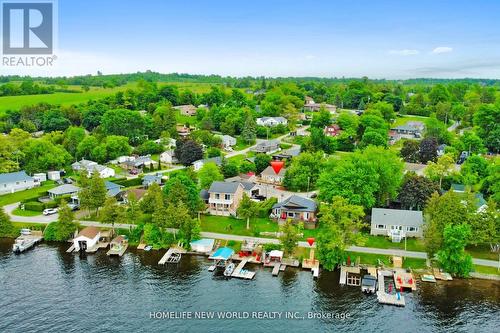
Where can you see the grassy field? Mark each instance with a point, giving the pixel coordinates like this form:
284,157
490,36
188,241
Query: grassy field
412,244
230,225
61,98
486,270
404,119
28,194
22,212
372,259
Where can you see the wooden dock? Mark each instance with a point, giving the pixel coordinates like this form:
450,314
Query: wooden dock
276,269
71,248
97,246
26,242
382,296
173,256
241,273
350,275
403,279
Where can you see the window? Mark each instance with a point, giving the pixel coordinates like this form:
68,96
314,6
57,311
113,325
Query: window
217,196
227,197
412,229
291,214
380,226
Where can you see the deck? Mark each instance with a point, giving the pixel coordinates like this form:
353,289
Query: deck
344,274
403,279
241,273
97,246
382,296
276,268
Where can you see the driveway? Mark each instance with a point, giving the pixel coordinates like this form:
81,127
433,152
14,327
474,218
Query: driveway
37,219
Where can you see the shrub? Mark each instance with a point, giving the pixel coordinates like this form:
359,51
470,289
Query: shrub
129,182
34,206
59,232
52,204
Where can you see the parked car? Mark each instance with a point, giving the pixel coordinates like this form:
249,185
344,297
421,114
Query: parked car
134,172
74,206
463,156
68,181
49,211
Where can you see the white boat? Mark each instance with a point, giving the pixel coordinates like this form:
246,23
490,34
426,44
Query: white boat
22,244
369,284
229,269
25,232
148,248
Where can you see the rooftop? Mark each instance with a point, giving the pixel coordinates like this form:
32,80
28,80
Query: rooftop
14,177
297,203
397,217
224,187
64,189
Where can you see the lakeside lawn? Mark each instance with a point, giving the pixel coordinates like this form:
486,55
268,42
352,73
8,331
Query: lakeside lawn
486,270
231,225
381,242
482,252
33,193
373,259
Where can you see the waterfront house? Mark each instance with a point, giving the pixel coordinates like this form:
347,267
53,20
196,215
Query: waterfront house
271,121
186,110
224,197
270,177
63,190
87,238
298,209
149,180
168,157
197,165
396,223
266,146
16,181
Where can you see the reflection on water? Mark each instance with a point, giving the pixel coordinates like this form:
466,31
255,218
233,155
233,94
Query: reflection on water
48,289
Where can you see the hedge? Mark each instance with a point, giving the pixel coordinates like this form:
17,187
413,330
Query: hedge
34,206
129,182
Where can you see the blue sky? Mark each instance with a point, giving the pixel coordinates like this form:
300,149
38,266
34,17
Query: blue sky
379,39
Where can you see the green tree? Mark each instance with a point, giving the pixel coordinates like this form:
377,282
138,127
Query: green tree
452,257
64,228
303,172
415,191
6,227
112,212
249,131
151,199
330,246
42,155
208,174
289,236
181,188
72,138
246,209
442,168
93,192
385,109
487,122
410,151
261,162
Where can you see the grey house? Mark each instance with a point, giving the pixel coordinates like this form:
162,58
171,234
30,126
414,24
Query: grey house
298,209
267,146
149,180
16,181
396,223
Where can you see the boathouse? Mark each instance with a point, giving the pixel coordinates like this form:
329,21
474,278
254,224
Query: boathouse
86,238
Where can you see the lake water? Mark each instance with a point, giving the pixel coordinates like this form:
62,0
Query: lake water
47,289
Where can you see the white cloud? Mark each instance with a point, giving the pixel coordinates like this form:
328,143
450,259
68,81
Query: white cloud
404,52
310,57
442,49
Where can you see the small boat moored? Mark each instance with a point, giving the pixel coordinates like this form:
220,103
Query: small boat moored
229,269
369,284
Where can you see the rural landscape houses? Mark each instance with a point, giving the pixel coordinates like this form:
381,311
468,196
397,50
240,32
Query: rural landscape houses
355,162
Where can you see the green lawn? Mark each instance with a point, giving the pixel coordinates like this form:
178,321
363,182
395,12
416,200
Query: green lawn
381,242
372,259
33,193
62,98
241,144
22,212
230,225
404,119
486,270
482,252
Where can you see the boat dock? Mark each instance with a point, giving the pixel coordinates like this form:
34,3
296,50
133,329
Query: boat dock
241,273
384,297
350,275
173,256
117,251
403,279
276,269
26,242
97,246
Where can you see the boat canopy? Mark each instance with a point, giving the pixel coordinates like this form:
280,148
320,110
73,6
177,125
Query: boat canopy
223,253
276,254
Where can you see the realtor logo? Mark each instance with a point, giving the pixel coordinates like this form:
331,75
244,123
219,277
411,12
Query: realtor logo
27,27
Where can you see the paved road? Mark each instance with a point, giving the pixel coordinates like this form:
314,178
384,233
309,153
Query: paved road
410,254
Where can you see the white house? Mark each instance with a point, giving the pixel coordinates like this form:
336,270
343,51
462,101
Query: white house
227,141
86,239
66,189
54,175
197,165
16,181
396,223
271,121
104,171
40,177
82,165
168,157
269,176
